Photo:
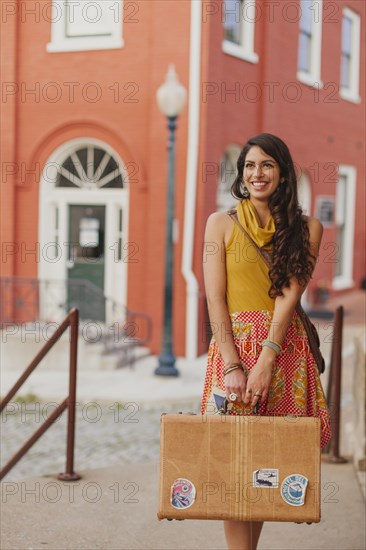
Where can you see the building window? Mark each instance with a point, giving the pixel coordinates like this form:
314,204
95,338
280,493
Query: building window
86,25
233,29
310,42
350,56
345,225
239,20
325,209
89,167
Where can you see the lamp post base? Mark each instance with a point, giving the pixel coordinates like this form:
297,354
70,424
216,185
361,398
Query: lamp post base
166,365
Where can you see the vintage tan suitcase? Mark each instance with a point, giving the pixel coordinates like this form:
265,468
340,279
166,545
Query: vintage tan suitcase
259,468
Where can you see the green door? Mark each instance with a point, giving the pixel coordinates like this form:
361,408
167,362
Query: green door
86,260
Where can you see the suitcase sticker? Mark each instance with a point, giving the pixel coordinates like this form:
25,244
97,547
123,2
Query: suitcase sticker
265,478
183,493
293,489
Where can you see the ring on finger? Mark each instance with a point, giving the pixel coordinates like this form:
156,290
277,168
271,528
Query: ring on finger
233,396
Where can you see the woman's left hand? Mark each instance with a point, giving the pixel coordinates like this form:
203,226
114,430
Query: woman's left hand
260,377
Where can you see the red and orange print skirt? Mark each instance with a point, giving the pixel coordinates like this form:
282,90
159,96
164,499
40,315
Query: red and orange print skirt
295,389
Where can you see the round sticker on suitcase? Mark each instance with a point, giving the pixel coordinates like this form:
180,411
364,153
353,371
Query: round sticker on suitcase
183,493
293,489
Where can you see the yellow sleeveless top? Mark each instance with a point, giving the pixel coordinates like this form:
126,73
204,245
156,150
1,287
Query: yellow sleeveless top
246,272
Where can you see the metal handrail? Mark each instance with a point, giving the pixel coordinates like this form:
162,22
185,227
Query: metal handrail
72,321
23,294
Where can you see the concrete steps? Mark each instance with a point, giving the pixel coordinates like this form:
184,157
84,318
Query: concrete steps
19,346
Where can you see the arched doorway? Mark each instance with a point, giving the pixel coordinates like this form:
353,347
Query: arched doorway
83,226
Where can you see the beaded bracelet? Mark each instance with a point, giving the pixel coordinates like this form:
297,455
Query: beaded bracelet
274,345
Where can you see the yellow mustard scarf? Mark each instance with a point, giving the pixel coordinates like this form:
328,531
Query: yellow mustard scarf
248,217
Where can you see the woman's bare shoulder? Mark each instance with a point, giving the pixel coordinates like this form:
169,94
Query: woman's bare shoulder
219,225
315,228
219,220
312,221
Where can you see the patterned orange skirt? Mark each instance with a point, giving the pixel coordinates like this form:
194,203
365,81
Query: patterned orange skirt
295,389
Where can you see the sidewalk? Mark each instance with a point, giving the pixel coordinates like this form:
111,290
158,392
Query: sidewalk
115,508
136,384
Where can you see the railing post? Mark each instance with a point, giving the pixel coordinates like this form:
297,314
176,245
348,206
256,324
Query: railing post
329,397
335,387
70,475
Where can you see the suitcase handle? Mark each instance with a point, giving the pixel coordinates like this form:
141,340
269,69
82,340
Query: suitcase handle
224,407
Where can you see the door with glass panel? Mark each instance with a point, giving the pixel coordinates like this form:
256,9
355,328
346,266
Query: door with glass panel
86,260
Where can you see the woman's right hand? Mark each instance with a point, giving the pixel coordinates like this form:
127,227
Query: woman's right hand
236,382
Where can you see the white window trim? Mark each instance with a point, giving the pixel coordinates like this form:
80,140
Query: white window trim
313,78
244,51
344,281
60,43
352,94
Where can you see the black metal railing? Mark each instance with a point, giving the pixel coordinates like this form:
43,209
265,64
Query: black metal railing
334,388
26,300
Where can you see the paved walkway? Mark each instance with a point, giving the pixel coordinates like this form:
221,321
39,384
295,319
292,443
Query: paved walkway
115,508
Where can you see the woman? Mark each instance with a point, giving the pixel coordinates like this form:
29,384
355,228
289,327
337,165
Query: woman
249,303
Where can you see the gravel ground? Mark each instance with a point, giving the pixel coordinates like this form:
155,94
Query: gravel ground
106,434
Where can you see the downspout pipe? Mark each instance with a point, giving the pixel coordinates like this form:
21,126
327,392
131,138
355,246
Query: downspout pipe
192,287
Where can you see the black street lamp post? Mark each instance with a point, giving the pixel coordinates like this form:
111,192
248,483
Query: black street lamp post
171,98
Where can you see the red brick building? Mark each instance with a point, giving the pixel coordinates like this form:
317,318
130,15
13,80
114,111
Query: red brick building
84,143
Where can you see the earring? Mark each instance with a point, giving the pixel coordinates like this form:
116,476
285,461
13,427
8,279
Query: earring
246,193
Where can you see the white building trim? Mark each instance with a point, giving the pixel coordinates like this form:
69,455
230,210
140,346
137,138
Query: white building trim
245,50
192,288
352,93
100,26
313,77
347,193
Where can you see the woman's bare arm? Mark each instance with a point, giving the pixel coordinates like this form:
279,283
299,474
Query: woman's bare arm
218,229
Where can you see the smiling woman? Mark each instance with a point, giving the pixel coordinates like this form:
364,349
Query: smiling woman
260,356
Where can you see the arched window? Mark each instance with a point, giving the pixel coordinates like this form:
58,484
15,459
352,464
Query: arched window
89,167
224,199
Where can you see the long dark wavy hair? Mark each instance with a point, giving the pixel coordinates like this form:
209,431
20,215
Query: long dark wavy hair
290,242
